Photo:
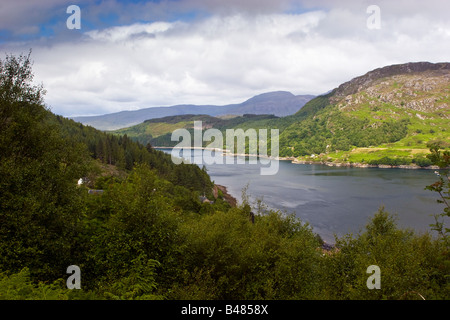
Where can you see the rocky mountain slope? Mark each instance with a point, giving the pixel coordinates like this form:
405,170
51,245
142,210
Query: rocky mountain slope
362,82
390,112
418,86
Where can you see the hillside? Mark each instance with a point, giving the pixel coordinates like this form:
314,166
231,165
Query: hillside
278,103
158,131
388,113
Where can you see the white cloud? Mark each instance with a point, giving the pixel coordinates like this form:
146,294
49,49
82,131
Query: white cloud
130,32
227,58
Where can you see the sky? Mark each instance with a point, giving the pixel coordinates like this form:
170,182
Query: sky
132,54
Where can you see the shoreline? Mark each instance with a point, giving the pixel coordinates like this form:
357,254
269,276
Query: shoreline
226,195
326,247
365,165
325,163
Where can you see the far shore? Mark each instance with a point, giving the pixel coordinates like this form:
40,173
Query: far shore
326,163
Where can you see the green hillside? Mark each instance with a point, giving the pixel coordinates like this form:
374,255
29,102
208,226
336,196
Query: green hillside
158,131
392,119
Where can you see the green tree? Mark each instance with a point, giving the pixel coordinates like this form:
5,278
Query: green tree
441,158
39,200
412,266
139,226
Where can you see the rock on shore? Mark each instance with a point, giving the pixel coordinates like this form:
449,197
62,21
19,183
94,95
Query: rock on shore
227,197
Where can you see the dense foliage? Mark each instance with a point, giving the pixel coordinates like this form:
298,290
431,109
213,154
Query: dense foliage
149,237
124,153
331,130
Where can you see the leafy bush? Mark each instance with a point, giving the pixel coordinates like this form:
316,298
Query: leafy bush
391,161
19,286
411,265
422,161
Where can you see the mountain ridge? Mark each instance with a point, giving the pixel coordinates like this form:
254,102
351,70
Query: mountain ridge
278,103
361,82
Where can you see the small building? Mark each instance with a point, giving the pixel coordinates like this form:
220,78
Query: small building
204,199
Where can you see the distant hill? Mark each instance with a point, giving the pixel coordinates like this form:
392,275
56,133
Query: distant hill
278,103
158,131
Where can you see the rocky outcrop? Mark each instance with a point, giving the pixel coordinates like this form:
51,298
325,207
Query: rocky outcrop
363,82
420,90
226,196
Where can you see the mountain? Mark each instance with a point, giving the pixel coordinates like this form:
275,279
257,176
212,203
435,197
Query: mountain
278,103
389,114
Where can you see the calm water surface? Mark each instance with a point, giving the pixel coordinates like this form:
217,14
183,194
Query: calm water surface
335,200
